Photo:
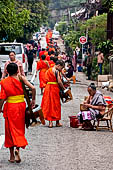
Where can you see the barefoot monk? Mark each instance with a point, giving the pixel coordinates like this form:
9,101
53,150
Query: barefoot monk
51,106
14,111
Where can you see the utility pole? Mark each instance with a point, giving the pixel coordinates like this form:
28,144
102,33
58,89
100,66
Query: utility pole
68,13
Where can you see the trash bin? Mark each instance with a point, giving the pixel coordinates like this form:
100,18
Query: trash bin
73,121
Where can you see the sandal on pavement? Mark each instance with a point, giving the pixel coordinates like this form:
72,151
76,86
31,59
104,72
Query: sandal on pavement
58,125
11,161
17,156
50,124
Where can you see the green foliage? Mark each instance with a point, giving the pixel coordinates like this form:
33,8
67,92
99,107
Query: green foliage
95,69
38,15
19,19
11,22
108,4
106,47
96,27
73,38
62,27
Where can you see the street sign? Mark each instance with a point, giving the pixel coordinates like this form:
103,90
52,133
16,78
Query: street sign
83,40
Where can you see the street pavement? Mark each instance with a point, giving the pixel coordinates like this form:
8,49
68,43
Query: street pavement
64,148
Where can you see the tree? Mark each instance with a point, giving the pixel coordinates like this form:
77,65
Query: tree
96,27
108,6
11,22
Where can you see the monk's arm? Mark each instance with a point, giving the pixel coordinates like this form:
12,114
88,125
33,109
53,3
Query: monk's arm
65,76
33,90
1,104
60,82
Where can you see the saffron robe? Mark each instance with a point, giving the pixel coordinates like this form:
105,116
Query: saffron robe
51,63
43,66
51,106
41,53
48,57
14,114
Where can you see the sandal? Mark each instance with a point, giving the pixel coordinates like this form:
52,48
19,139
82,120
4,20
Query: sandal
11,161
50,124
17,156
58,125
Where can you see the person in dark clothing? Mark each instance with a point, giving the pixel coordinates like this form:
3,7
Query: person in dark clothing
0,73
30,55
89,66
70,70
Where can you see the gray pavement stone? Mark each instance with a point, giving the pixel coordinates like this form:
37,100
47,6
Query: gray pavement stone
64,148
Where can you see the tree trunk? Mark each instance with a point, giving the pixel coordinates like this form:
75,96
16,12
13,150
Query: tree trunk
110,26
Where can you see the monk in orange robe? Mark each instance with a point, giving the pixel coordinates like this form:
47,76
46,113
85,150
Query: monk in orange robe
41,53
51,62
42,66
14,111
51,106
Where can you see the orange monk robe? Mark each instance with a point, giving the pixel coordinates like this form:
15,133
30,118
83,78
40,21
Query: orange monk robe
14,114
51,63
47,38
45,53
50,33
50,105
43,66
52,49
48,57
41,53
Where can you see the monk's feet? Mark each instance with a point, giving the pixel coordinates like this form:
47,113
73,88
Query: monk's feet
50,124
58,124
12,159
17,156
12,156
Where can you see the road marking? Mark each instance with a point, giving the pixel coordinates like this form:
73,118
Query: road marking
2,139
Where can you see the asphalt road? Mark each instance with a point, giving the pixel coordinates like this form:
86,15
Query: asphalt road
64,148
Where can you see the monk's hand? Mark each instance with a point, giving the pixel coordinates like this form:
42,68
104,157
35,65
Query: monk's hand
33,104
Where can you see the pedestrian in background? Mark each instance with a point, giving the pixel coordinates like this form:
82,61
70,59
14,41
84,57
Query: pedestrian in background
100,60
30,55
69,71
14,111
74,60
89,65
12,57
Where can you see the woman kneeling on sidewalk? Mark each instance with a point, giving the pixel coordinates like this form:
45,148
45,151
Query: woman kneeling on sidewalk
95,105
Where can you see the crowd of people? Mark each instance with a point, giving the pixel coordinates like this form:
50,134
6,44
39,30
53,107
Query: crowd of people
51,67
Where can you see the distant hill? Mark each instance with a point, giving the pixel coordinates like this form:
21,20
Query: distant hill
57,4
60,8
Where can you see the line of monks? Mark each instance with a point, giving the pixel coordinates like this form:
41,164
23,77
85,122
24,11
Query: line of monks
13,96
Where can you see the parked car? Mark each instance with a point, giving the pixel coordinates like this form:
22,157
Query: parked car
5,49
55,35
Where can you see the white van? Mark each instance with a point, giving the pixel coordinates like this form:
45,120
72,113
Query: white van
5,48
55,35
